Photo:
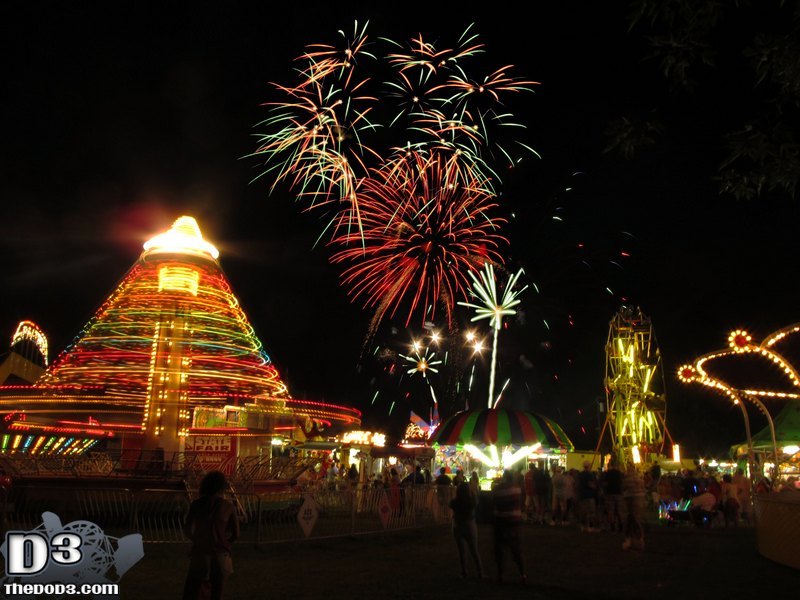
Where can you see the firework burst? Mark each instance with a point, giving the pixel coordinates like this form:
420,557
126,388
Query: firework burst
422,362
446,107
493,307
316,138
426,226
313,138
420,67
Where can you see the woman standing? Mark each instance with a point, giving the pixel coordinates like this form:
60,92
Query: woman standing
212,526
465,530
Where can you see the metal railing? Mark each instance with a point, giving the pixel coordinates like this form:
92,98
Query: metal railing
158,514
243,472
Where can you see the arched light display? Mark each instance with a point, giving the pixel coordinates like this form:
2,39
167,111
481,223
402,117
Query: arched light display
741,342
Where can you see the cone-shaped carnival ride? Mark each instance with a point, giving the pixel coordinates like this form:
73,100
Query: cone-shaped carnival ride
169,358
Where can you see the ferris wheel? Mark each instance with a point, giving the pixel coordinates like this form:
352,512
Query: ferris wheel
635,399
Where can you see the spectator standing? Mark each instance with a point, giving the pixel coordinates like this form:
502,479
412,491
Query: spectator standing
743,489
213,527
541,486
465,531
459,478
415,477
519,478
730,501
655,484
507,500
474,485
444,486
396,492
587,498
572,494
331,474
561,489
529,502
443,478
633,491
352,475
612,502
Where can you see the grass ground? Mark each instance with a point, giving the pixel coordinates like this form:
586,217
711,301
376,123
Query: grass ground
562,563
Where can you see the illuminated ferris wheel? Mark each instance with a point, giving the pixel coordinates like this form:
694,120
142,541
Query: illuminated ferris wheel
635,400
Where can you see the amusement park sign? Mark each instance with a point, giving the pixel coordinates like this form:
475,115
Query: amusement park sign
214,452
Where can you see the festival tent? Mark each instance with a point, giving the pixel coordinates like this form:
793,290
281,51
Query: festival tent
787,431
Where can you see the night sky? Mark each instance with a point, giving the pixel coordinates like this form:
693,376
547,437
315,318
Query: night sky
118,120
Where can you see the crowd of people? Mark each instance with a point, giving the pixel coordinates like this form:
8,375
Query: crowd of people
593,500
613,499
590,498
605,499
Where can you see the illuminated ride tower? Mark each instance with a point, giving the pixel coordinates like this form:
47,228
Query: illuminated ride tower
26,359
635,400
169,363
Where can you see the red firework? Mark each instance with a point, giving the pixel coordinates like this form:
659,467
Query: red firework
426,222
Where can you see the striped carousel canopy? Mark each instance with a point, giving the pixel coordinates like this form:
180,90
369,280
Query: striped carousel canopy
502,427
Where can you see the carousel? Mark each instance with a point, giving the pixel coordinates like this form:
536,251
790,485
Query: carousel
491,440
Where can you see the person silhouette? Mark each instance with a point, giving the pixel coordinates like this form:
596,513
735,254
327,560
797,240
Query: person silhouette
465,531
213,527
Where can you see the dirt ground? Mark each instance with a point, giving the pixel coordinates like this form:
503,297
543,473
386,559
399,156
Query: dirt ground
561,563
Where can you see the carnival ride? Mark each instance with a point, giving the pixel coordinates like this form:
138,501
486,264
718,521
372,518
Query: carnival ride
27,356
169,363
634,383
499,438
